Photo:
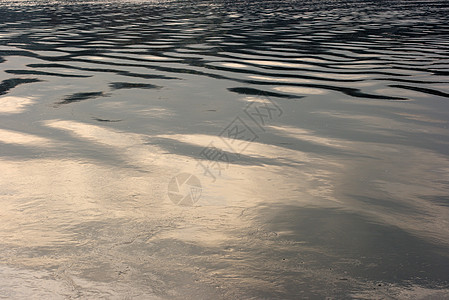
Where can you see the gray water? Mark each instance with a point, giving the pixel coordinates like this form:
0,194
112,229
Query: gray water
224,150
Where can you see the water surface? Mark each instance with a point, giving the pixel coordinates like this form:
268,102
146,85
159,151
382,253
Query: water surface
316,131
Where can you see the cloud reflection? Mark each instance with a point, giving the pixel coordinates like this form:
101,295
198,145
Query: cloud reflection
14,105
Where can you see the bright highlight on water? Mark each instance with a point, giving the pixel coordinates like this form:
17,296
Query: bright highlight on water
224,149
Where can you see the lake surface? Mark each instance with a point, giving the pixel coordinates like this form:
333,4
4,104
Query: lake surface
224,149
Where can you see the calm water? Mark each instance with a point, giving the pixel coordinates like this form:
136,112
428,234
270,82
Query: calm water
311,139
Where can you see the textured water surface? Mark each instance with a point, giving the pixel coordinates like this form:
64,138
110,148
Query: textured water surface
311,137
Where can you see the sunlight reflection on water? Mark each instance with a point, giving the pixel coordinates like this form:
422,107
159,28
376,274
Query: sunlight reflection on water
334,183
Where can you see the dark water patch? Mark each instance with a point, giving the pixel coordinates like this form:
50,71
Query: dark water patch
77,97
14,52
439,200
257,92
158,68
387,203
9,84
131,85
30,72
106,120
119,72
422,90
384,253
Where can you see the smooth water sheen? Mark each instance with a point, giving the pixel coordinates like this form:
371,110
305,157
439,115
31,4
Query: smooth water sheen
340,190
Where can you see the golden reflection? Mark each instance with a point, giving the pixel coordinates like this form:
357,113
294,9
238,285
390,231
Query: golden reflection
277,173
14,105
131,147
310,136
317,180
42,198
233,65
311,59
24,139
97,134
153,57
300,90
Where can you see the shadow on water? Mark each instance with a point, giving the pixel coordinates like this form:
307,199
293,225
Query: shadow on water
128,85
9,84
380,253
81,97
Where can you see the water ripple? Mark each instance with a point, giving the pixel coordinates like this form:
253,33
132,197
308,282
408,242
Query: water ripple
342,195
269,40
